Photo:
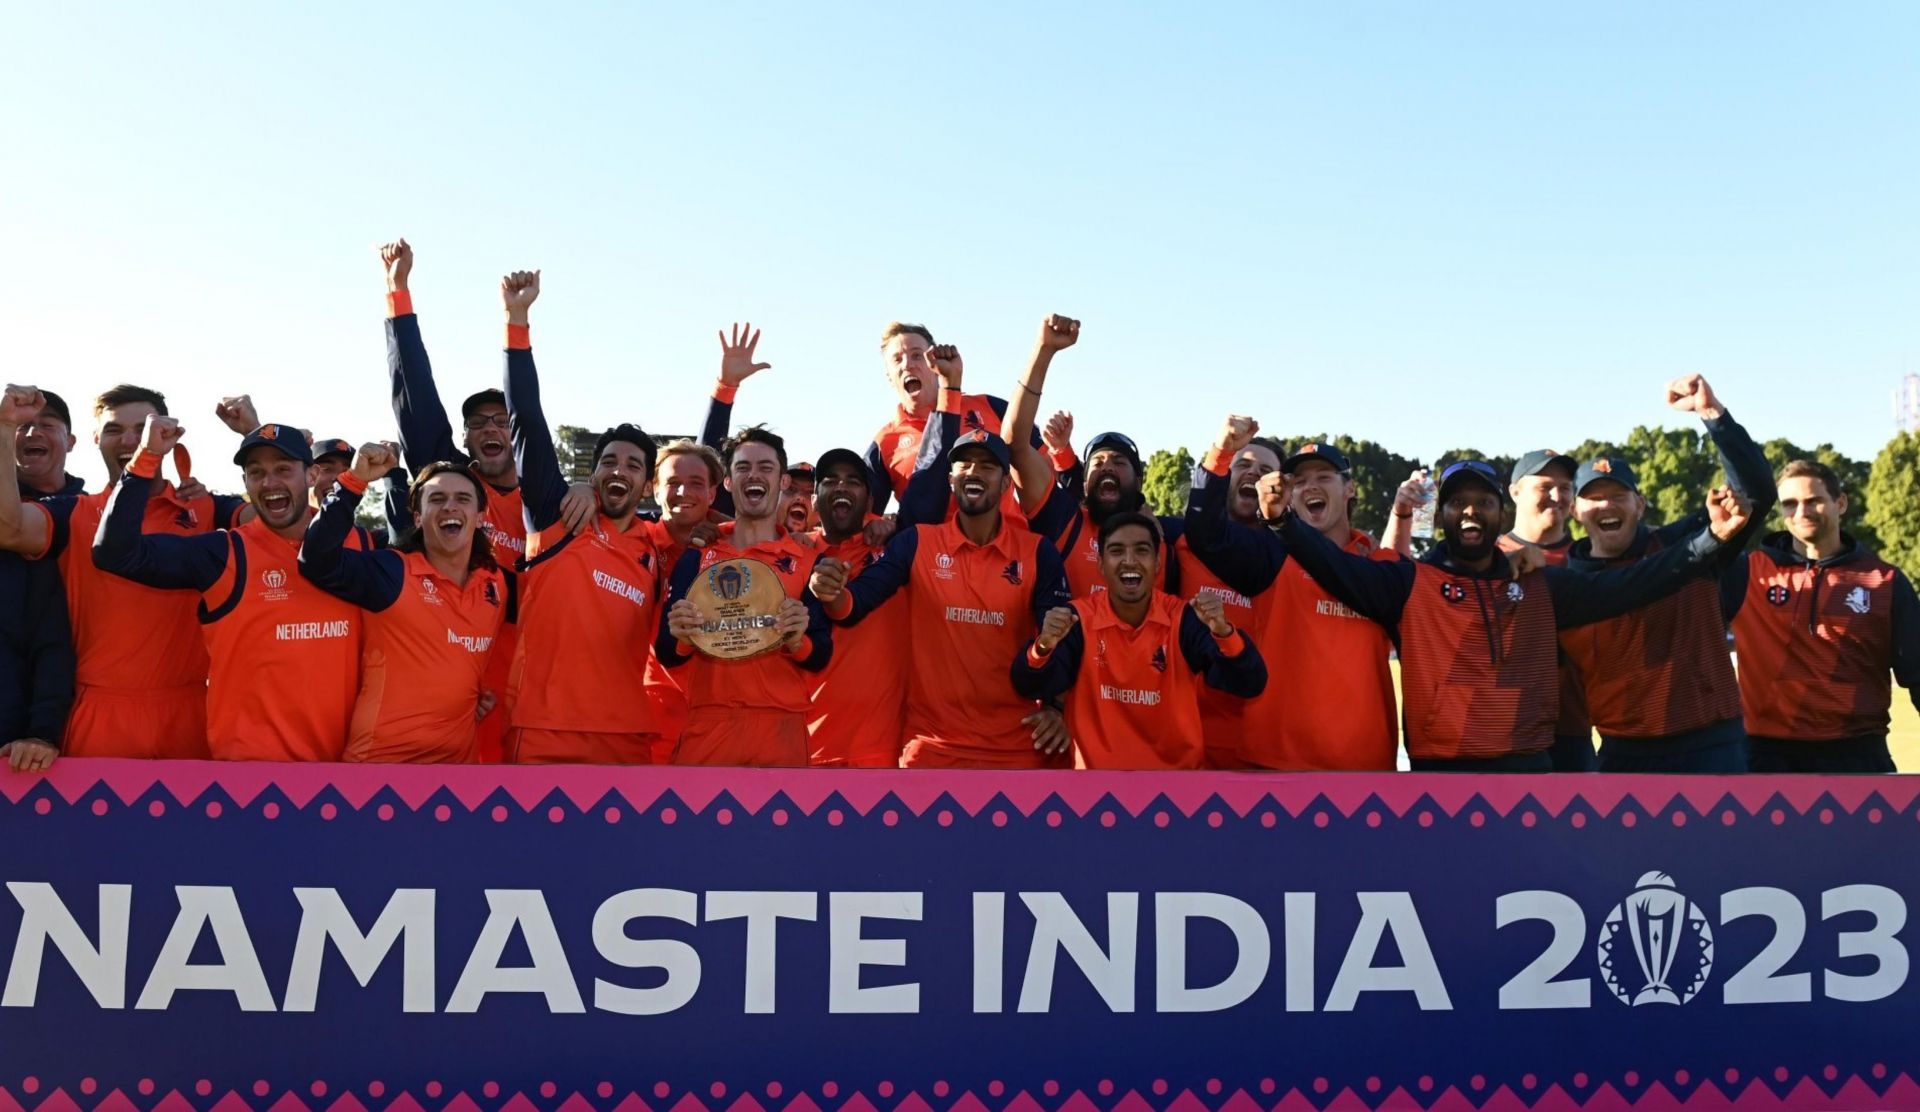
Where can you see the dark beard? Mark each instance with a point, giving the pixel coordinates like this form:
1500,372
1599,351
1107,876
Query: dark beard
1131,501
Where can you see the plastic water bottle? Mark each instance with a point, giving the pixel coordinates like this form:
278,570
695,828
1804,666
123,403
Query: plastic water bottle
1423,513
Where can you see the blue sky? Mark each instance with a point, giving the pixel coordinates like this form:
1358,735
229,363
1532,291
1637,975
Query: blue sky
1432,225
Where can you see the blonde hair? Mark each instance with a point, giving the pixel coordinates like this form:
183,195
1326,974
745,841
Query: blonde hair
898,328
716,469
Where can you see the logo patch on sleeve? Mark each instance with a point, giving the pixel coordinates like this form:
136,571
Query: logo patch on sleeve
1453,592
1778,595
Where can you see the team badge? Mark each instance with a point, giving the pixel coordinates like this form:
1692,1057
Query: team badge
1514,592
872,558
1011,573
185,519
268,432
1160,658
974,423
943,566
1859,601
1656,946
732,581
492,593
1603,466
275,582
1453,592
785,565
1778,595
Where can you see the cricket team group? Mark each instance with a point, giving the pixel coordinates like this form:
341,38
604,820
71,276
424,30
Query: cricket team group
972,590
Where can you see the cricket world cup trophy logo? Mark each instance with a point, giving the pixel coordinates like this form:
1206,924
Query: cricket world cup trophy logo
1656,946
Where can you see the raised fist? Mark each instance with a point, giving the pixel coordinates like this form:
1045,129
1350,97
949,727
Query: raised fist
1692,394
397,257
1213,612
791,621
1726,512
1058,435
684,620
1236,434
1058,621
736,356
373,460
162,433
1058,333
946,363
518,291
1275,491
238,413
829,579
21,405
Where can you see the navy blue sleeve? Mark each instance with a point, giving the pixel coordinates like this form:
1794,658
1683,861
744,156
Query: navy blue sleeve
819,634
1748,473
1245,559
1243,674
425,433
1733,585
50,655
369,580
1171,530
1049,582
1584,597
685,570
714,435
878,478
542,486
157,559
1376,589
929,492
1906,636
225,508
1056,677
885,576
1056,514
393,504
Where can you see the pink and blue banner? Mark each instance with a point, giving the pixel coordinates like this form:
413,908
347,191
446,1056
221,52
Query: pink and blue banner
193,936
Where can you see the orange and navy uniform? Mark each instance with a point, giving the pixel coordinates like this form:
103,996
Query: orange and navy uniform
857,709
1222,716
1660,683
1820,643
751,711
36,651
141,665
1133,692
258,617
1068,525
893,457
1573,733
425,641
1333,707
1479,666
663,689
589,605
426,436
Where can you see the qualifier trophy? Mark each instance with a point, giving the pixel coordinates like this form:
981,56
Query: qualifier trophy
740,600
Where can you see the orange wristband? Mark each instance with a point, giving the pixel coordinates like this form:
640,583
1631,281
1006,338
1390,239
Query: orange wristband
1216,461
144,464
351,483
518,338
949,400
724,393
399,303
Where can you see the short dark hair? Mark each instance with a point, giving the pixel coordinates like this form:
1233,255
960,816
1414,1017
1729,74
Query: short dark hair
1278,449
901,328
755,434
1125,518
58,405
1812,469
128,394
414,540
627,433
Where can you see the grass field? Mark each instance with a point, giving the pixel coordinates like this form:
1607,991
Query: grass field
1903,738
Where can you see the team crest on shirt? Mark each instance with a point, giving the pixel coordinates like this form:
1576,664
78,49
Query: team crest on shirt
974,422
1011,573
943,566
1514,592
1859,601
186,519
492,593
872,558
1453,592
274,580
1778,595
784,565
646,560
1160,658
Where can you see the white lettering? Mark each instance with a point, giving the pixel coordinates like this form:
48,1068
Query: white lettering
619,587
763,912
549,974
680,961
238,971
1381,912
848,951
989,946
1135,695
1299,910
1230,598
1056,927
1253,950
324,917
312,631
45,918
971,616
469,643
1333,608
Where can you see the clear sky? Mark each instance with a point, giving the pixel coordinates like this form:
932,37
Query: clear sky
1432,225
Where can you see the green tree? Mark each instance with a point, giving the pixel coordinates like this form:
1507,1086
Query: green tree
1676,468
1854,476
1894,512
1169,476
574,445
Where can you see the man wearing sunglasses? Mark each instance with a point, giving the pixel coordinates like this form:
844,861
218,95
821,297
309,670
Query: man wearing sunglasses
1476,638
1660,683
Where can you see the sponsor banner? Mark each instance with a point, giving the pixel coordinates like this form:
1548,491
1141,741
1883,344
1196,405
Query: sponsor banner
251,935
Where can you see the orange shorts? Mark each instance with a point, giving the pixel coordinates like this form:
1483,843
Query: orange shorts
866,744
169,722
526,745
743,736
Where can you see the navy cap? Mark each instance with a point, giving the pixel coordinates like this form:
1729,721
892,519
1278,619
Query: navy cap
840,455
1316,450
1116,441
981,438
335,447
1467,471
800,469
476,400
1606,467
1535,462
286,439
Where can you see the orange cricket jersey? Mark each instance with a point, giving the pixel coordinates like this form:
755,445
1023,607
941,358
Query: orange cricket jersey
264,622
1136,702
772,680
898,442
1222,716
423,666
588,610
857,717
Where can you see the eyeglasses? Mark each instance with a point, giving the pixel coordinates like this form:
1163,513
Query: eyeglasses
496,420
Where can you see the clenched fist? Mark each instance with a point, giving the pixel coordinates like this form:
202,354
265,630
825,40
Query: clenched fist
1726,513
397,257
1057,333
162,433
374,459
1058,435
238,413
1275,491
1692,394
518,291
1213,612
791,621
947,364
1236,434
1058,621
829,579
21,405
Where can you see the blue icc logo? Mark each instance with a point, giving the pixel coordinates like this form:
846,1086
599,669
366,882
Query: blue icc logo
730,581
1656,946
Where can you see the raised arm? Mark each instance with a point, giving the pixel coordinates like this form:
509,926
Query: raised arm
1398,535
154,559
1745,463
1221,654
425,433
28,532
542,485
1584,597
370,580
1049,663
1245,559
929,491
1376,589
1032,471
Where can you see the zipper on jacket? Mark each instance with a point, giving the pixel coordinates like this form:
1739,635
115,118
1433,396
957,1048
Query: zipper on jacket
1486,623
1813,606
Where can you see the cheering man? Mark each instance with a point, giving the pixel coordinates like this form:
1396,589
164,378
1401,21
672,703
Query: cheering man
41,446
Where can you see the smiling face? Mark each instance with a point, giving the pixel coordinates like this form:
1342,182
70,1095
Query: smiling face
1113,484
449,515
1320,496
1610,513
797,512
1243,477
1542,502
277,487
619,477
914,382
686,489
842,498
487,441
1471,517
1811,512
322,473
1130,563
40,450
756,481
979,481
119,432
